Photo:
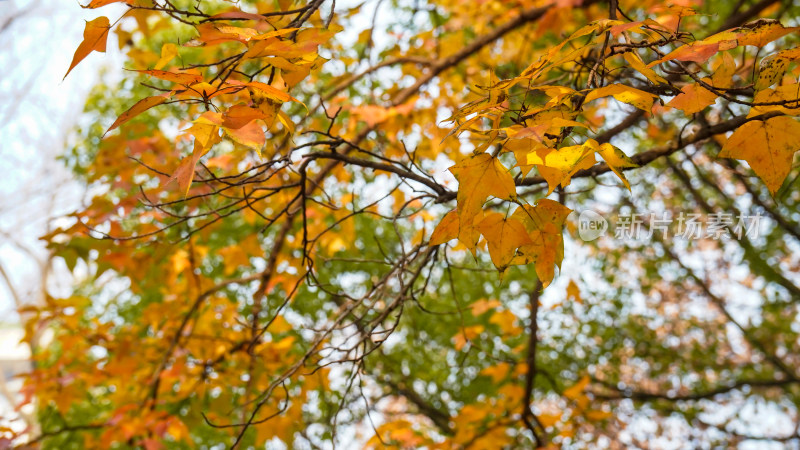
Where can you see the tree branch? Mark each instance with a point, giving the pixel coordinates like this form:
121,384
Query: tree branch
530,360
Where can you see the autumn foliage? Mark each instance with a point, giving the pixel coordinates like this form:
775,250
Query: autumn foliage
317,222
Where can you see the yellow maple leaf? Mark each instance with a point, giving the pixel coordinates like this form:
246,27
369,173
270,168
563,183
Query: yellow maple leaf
180,261
638,65
788,92
507,322
767,146
504,236
561,164
526,150
168,52
771,70
480,176
761,32
543,222
724,70
616,160
626,94
547,215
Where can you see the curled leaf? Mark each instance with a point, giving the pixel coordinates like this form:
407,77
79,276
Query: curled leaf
98,3
186,78
95,35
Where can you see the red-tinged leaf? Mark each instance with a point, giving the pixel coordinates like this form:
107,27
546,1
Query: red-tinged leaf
617,29
238,116
184,174
693,98
98,3
535,132
186,78
152,444
373,114
140,107
210,34
250,135
94,40
306,44
698,52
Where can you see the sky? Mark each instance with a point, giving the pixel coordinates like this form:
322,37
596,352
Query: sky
37,111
